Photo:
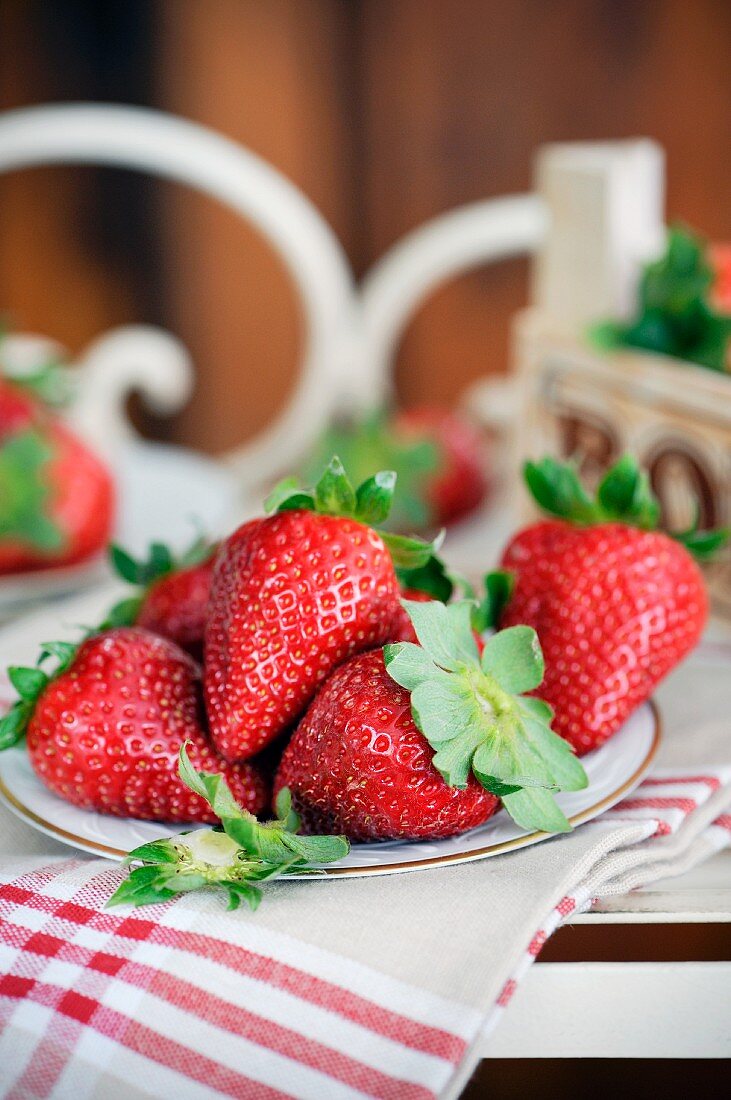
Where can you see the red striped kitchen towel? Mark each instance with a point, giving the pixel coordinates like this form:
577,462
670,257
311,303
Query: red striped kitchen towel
299,999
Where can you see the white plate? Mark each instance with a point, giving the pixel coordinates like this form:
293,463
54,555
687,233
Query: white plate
613,770
163,493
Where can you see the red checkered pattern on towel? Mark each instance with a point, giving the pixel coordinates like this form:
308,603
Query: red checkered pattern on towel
147,1002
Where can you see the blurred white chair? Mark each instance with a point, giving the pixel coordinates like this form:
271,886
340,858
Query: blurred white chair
132,137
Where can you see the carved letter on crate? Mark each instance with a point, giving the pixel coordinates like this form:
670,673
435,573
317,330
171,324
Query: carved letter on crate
590,439
683,484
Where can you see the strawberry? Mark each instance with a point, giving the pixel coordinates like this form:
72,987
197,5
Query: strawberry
294,595
458,485
418,741
616,603
719,256
174,592
357,764
439,458
56,497
402,628
105,728
17,409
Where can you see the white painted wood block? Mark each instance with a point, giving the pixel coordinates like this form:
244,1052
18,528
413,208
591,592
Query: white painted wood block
618,1010
605,202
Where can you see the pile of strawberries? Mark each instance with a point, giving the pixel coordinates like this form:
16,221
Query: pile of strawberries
56,496
287,656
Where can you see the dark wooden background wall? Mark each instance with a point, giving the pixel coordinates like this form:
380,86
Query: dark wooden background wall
385,112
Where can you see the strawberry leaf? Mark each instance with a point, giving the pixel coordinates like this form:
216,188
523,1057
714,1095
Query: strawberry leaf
445,632
624,496
536,808
375,442
472,713
498,590
28,682
675,315
26,491
144,886
409,552
287,495
243,853
432,578
123,613
13,724
374,496
334,495
128,568
160,561
557,489
514,658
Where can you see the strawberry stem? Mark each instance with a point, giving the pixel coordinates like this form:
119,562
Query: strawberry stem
370,503
624,495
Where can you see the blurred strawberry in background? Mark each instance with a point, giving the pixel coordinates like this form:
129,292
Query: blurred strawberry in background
719,256
56,496
439,457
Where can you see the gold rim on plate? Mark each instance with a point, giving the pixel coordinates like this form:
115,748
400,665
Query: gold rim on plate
381,868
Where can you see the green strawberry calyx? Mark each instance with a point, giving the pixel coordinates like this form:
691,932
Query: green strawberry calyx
144,572
25,492
49,381
30,683
369,503
238,859
624,495
475,715
497,589
375,441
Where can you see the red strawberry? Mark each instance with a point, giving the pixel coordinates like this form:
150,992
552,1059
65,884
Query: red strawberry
402,628
458,485
615,603
17,409
357,764
420,740
57,503
294,595
720,260
176,606
105,731
175,593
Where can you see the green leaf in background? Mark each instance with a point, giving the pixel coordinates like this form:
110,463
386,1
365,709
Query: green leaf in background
374,442
244,852
26,492
674,314
475,717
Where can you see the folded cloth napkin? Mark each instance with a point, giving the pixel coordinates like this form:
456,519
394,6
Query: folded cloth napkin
340,988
